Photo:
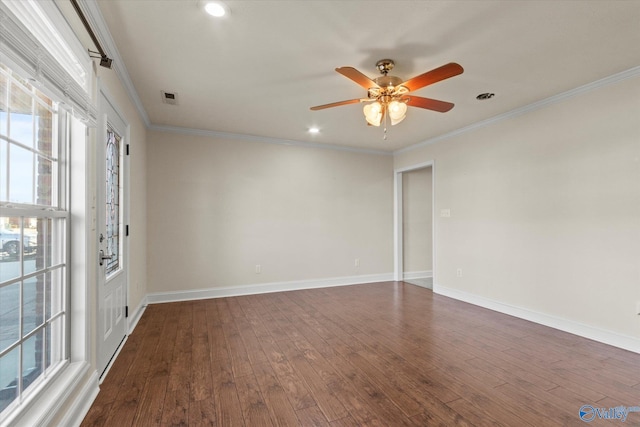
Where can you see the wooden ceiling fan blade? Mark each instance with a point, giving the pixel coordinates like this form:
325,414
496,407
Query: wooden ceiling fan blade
357,76
336,104
430,77
429,104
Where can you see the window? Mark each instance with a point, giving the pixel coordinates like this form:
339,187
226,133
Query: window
42,20
33,234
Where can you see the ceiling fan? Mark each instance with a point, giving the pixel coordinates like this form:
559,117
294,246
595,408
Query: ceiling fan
388,96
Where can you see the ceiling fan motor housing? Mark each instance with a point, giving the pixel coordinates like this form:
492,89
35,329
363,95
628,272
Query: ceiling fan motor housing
388,86
386,81
385,65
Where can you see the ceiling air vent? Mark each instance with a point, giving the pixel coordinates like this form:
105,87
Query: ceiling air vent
169,97
485,96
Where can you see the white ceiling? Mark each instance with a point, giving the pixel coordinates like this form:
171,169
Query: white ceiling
257,71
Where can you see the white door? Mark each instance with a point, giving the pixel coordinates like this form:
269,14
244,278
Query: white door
110,227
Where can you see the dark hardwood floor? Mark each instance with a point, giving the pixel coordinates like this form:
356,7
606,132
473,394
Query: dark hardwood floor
384,354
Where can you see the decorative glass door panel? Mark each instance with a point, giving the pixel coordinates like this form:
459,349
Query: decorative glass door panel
112,193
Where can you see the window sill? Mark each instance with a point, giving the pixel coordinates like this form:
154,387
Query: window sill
64,400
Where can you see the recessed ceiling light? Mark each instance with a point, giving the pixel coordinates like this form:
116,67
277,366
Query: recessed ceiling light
216,8
314,130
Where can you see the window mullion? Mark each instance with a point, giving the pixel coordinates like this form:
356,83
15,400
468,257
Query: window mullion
47,281
38,211
8,162
11,141
45,320
34,274
21,310
34,144
60,128
9,87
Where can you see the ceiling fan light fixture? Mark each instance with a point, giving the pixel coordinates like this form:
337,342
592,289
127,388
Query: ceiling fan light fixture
373,113
397,112
387,96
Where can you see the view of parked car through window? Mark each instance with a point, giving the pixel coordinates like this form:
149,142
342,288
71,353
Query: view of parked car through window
10,242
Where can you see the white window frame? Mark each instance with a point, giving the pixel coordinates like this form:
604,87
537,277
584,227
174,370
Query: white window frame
57,212
67,395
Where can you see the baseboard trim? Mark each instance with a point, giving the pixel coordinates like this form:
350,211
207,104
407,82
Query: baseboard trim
196,294
136,315
408,275
607,337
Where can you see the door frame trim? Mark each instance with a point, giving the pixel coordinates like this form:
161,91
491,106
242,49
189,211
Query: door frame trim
398,238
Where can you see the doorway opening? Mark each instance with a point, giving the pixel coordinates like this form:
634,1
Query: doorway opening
414,228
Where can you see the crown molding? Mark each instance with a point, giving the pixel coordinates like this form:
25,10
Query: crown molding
93,14
615,78
265,139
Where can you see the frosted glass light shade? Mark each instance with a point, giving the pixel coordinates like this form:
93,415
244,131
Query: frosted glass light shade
373,113
397,112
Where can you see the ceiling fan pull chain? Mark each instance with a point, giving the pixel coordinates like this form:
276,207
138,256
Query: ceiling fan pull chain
386,120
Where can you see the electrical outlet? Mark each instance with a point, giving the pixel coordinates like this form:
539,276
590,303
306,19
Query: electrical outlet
445,213
459,272
258,269
356,262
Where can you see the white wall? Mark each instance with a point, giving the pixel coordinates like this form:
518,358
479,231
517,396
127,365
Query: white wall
218,208
416,220
545,211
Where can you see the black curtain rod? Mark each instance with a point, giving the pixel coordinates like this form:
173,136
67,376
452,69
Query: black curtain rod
105,61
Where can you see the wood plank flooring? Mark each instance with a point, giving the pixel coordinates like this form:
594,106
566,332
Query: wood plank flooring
384,354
